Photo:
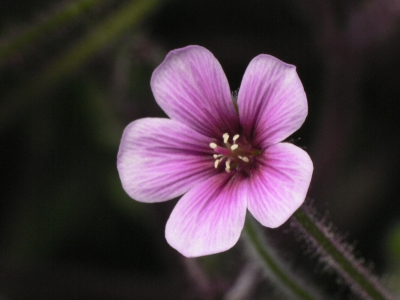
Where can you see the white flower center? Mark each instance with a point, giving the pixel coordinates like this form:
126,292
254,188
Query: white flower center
237,155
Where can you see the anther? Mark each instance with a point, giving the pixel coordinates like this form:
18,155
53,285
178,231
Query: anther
245,159
226,137
231,155
228,165
216,163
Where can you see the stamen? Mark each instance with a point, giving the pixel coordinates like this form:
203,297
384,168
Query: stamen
226,137
216,163
244,158
234,155
228,165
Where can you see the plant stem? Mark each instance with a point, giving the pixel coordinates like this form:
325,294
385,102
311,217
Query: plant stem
274,267
96,40
339,256
34,32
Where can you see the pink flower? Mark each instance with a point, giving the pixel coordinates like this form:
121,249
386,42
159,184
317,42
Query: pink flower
225,155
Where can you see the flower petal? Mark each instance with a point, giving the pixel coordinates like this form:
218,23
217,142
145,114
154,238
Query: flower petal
190,86
160,159
271,100
278,188
209,218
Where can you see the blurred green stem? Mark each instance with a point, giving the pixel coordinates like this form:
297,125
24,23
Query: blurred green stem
10,46
273,266
338,256
97,39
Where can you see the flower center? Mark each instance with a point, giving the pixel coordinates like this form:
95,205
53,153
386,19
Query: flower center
235,155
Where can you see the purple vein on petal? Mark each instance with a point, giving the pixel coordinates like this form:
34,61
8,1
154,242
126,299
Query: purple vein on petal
160,159
271,101
279,186
191,87
209,218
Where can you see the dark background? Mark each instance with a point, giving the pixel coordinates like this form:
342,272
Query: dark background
68,230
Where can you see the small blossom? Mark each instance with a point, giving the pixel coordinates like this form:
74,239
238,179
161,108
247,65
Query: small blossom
224,154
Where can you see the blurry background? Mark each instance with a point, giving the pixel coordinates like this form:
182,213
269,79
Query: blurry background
74,73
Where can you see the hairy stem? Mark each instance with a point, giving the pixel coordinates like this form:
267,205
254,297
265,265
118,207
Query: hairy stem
338,256
274,267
